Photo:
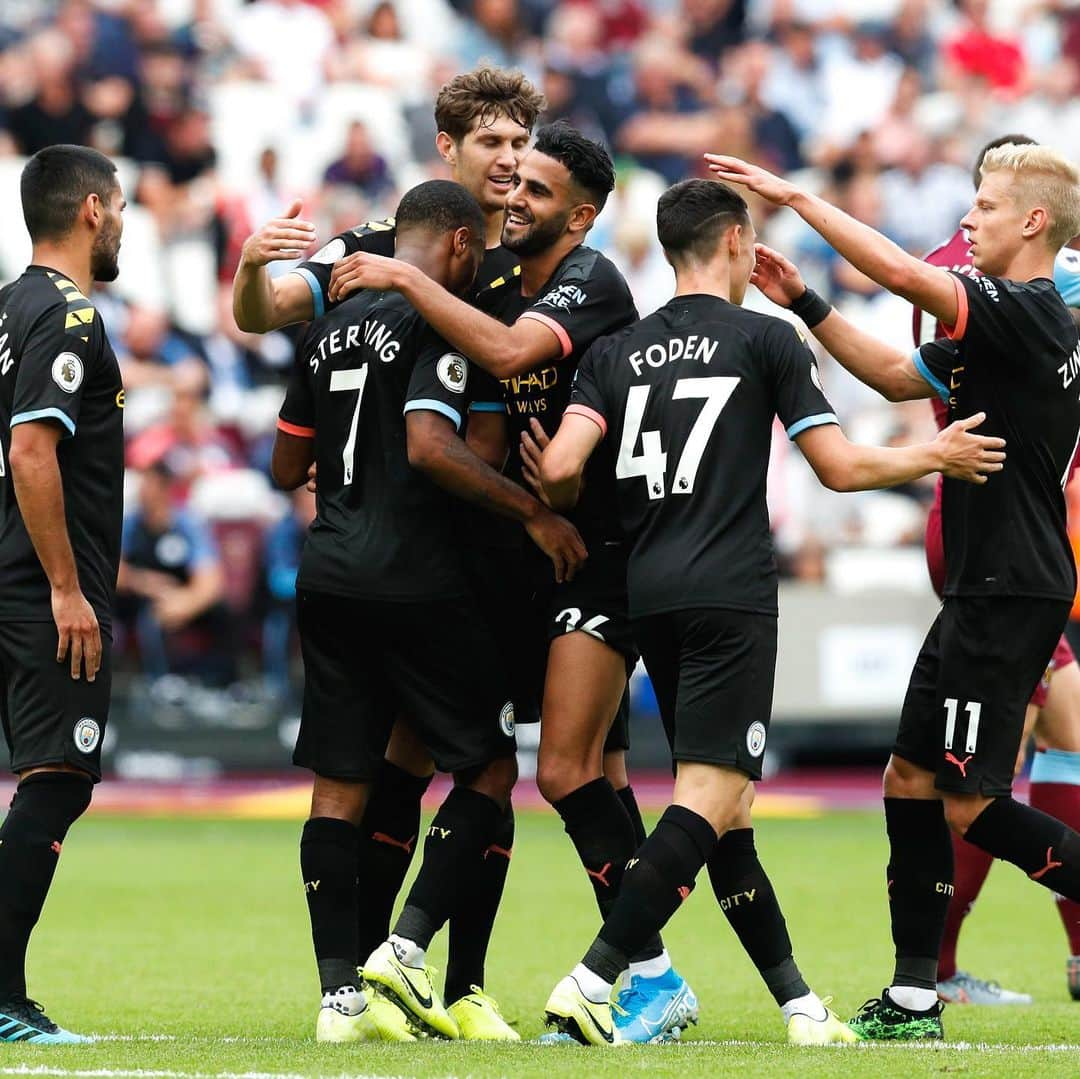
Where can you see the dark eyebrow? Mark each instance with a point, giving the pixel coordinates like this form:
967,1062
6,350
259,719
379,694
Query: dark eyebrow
538,188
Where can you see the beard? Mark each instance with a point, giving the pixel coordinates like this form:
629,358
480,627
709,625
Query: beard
104,265
538,238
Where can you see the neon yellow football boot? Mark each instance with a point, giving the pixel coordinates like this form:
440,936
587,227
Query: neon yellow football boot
411,989
571,1012
479,1019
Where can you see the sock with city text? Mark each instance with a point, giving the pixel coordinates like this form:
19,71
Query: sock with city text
44,807
654,947
920,885
472,922
462,830
746,897
328,865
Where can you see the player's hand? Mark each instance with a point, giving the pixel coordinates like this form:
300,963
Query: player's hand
286,237
734,170
311,473
777,277
532,446
361,270
78,632
172,610
560,541
969,457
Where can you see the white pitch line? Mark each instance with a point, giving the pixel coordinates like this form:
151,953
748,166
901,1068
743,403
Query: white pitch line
148,1073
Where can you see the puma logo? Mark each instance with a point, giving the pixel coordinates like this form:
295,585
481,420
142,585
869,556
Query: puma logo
684,893
390,841
1050,864
56,847
600,875
961,764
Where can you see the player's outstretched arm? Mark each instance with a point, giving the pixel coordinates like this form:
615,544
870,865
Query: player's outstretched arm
436,450
39,492
291,461
562,461
262,303
956,452
502,351
875,255
883,368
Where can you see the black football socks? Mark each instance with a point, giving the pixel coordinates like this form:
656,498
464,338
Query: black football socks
472,922
920,874
1044,848
654,946
328,865
746,897
44,807
602,834
389,836
462,830
658,879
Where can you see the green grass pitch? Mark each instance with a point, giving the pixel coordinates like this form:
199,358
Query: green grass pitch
185,943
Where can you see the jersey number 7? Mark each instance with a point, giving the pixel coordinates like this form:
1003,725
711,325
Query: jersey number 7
351,379
652,461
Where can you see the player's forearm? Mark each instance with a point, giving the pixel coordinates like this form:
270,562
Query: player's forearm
253,298
483,339
871,361
455,468
562,493
871,468
40,495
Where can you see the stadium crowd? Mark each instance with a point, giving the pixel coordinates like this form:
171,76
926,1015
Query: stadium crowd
222,112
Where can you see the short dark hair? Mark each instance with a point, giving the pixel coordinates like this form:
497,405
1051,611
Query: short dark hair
588,163
692,215
484,95
993,144
55,183
439,206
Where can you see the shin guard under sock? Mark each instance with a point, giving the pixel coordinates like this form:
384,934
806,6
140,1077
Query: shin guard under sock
920,885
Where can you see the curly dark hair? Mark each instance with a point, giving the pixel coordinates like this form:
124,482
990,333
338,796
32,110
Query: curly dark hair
482,96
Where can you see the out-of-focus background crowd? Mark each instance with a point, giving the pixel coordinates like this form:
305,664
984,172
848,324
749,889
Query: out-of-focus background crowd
220,112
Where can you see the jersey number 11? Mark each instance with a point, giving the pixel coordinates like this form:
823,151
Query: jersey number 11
652,461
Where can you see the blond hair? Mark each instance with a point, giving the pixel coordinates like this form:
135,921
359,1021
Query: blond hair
1046,179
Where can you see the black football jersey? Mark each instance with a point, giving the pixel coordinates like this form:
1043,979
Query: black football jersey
377,238
57,366
1014,354
585,298
382,529
686,400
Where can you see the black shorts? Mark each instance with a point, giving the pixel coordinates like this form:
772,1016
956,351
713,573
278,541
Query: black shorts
963,715
595,602
48,716
368,662
502,580
713,672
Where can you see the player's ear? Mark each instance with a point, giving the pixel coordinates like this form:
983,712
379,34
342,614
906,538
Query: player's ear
462,241
1035,221
581,217
447,148
93,210
734,240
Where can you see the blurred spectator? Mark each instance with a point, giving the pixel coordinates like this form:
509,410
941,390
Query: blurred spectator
360,166
497,33
150,352
170,587
910,38
714,26
188,442
795,83
775,136
978,54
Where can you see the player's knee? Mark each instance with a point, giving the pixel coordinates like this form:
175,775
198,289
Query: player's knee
55,799
495,779
903,779
961,811
558,775
338,799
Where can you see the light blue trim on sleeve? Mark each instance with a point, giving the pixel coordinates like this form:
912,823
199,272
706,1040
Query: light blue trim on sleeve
318,300
487,406
428,404
44,414
807,422
1066,278
1056,766
934,382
